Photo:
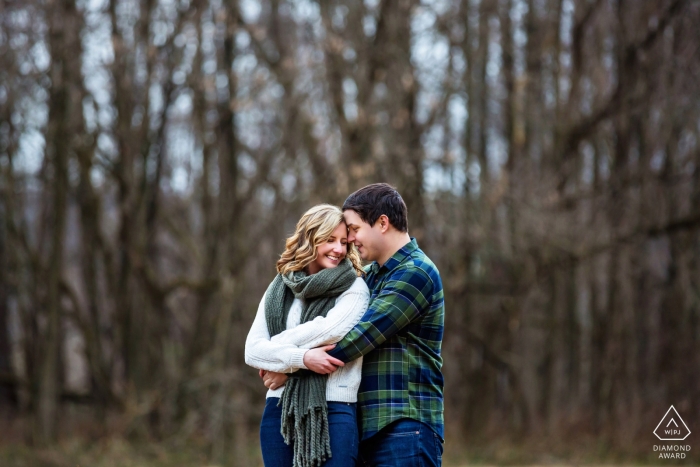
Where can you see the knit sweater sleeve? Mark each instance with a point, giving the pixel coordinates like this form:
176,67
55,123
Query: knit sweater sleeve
329,329
262,353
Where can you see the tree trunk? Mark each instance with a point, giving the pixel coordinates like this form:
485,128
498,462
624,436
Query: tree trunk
8,394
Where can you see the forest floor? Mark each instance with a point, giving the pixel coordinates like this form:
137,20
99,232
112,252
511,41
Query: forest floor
117,452
82,445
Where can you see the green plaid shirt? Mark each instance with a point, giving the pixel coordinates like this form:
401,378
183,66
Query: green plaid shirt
400,337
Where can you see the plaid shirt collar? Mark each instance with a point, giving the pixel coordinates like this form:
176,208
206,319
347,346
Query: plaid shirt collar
396,259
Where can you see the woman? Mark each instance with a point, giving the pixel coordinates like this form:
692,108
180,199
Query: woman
316,298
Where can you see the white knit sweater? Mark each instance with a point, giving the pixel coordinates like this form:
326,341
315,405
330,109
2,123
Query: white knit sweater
284,353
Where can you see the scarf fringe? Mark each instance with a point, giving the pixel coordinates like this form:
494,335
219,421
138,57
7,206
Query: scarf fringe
305,422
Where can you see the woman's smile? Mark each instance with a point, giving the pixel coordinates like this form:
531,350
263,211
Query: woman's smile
331,252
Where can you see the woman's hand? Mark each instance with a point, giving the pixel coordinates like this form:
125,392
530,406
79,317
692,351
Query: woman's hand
272,379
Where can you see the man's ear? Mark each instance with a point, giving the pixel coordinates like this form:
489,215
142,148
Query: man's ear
383,223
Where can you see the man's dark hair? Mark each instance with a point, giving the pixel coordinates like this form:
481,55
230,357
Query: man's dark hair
372,201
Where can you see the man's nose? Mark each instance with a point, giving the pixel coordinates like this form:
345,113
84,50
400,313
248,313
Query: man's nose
351,238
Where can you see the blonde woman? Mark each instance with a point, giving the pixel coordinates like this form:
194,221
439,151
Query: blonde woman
317,296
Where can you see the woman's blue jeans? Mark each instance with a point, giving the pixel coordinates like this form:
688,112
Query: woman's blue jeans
342,424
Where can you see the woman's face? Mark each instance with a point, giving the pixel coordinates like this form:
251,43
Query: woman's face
332,252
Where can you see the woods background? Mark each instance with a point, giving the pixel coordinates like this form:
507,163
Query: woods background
155,154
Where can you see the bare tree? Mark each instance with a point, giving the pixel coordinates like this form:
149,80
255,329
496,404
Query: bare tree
154,155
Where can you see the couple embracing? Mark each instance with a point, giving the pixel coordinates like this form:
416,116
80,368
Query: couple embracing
351,356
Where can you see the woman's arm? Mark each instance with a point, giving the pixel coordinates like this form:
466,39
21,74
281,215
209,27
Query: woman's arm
262,353
346,313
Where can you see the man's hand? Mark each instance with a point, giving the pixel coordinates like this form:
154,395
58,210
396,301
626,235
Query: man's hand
318,361
273,380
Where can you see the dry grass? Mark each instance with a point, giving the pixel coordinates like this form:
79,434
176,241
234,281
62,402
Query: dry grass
117,452
105,453
78,448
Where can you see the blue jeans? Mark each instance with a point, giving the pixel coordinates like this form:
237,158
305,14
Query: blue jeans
342,425
404,443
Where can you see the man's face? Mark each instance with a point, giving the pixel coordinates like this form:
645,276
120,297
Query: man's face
367,238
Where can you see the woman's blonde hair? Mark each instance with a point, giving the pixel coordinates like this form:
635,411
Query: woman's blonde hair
314,228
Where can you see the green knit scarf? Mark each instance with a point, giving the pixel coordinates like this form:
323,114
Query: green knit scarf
304,406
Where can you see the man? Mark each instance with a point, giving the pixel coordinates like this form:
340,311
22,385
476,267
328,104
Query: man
400,336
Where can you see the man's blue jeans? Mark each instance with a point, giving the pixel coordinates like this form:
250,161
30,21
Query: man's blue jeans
342,425
405,443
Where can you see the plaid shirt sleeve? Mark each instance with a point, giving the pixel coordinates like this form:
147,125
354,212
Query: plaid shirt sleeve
404,297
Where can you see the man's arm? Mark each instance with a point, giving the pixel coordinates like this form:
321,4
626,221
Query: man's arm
404,297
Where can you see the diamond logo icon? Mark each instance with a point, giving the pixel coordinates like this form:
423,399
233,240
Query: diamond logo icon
672,427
